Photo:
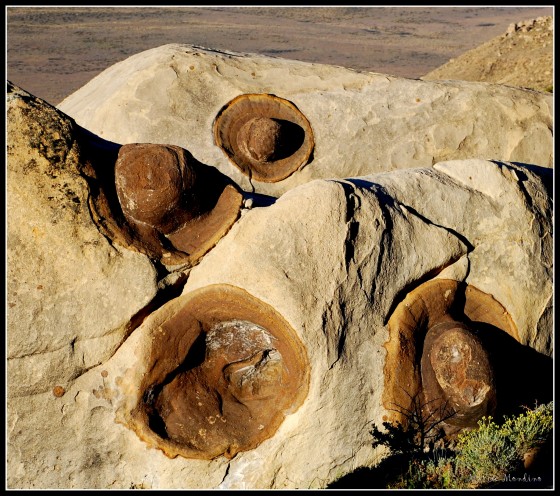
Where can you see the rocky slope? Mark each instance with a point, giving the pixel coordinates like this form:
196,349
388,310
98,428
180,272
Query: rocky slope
522,56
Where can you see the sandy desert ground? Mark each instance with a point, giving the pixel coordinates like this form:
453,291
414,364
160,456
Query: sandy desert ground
51,52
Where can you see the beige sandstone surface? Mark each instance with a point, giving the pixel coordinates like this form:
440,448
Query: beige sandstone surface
361,122
72,295
412,183
388,233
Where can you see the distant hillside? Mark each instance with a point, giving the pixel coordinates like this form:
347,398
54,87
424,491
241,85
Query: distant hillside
523,56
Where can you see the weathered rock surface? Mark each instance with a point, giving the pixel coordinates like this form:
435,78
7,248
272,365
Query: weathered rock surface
362,122
72,295
323,269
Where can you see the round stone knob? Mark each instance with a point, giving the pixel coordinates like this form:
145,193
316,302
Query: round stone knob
174,206
151,181
223,373
440,355
266,137
457,377
260,138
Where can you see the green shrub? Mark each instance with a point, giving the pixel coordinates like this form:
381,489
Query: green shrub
493,451
485,454
427,473
481,457
530,429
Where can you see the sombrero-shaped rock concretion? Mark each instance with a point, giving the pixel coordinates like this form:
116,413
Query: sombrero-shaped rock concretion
435,356
177,207
265,136
222,374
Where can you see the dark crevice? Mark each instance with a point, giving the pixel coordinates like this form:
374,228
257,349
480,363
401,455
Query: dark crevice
431,274
459,236
259,200
342,334
545,175
401,295
352,205
386,203
164,295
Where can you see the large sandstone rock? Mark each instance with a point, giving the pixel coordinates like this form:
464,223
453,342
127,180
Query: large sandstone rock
283,333
362,122
73,296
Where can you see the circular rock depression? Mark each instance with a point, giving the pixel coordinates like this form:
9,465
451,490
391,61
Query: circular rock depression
435,355
223,373
264,136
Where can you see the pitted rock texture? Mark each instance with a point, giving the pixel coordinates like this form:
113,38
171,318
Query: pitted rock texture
73,297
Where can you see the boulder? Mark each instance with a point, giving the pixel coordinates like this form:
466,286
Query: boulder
291,336
360,123
73,296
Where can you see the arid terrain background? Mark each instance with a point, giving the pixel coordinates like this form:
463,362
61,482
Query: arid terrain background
52,52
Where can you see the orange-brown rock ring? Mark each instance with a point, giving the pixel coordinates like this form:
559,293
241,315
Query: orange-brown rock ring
432,303
222,374
177,207
265,136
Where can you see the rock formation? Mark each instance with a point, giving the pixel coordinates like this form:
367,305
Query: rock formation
263,361
362,123
73,296
176,207
266,137
522,56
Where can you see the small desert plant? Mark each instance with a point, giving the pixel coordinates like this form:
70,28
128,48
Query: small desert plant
429,471
480,457
420,430
485,454
530,429
493,451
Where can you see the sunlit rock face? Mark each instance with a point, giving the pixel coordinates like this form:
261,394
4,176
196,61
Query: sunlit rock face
360,123
72,294
265,363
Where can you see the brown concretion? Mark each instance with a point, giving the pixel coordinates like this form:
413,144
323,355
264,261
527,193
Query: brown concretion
174,208
222,375
151,181
432,303
457,377
265,136
260,139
